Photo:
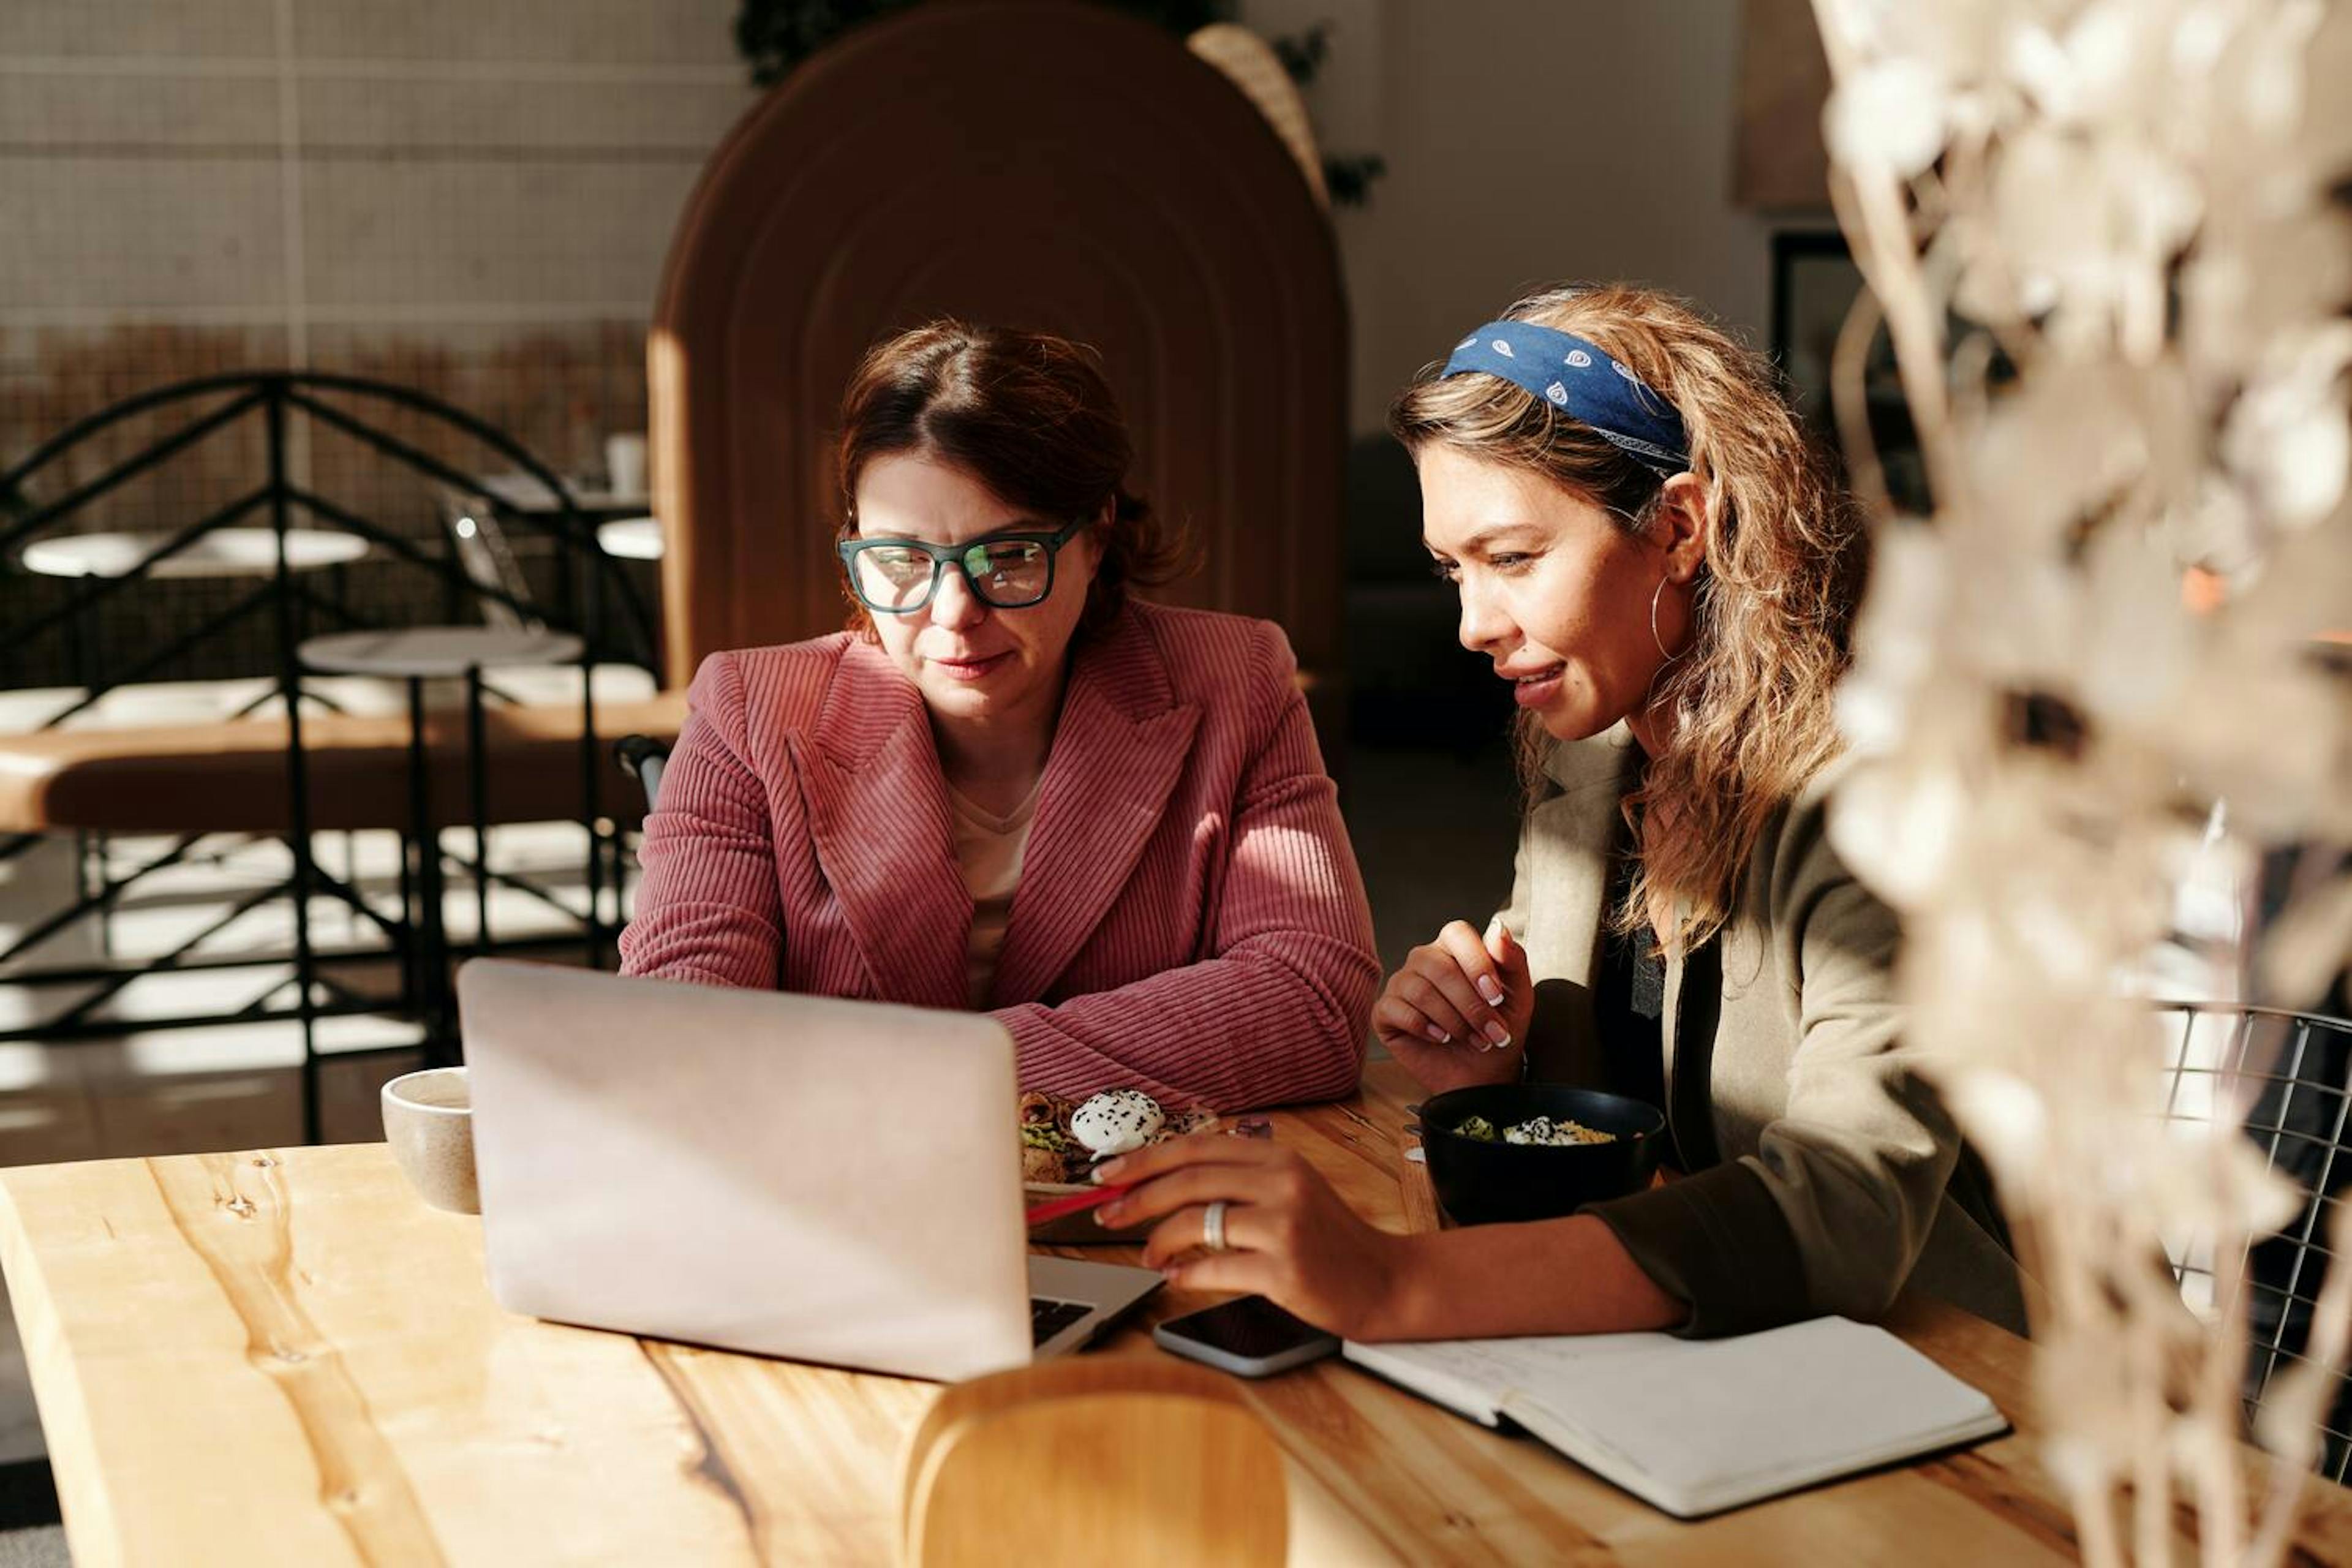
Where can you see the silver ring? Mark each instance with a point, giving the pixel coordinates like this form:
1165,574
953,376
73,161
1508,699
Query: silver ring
1213,1227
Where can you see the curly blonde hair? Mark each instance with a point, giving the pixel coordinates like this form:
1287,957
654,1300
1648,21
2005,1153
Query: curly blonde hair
1772,610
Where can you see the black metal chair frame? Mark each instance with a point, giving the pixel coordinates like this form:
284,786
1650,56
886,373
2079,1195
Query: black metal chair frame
2298,1117
591,590
643,758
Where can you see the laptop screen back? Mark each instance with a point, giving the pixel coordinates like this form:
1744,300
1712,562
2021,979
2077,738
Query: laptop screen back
800,1176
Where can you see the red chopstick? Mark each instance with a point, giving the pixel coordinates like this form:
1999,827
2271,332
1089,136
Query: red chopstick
1075,1203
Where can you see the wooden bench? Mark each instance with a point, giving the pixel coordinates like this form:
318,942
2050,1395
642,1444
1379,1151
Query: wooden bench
232,776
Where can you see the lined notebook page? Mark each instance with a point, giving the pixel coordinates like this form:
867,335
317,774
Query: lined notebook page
1699,1424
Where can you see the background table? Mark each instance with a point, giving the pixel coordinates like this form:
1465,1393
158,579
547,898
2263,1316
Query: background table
283,1357
632,538
415,655
220,555
223,552
522,492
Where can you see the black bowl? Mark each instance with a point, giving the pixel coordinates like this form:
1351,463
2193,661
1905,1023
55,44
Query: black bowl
1481,1182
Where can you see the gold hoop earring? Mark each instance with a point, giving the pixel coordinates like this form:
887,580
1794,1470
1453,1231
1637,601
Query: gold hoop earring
1655,596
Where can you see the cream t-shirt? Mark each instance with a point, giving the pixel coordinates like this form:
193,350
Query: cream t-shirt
988,852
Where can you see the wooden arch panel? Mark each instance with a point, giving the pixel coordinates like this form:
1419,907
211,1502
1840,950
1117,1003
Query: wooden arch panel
1030,163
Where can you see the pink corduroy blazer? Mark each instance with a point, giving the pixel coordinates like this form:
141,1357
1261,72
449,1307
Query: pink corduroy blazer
1190,918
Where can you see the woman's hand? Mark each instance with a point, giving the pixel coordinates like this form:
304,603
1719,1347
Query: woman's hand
1289,1238
1457,1013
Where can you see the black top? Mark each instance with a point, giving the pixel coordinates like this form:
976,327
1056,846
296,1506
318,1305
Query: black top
1629,996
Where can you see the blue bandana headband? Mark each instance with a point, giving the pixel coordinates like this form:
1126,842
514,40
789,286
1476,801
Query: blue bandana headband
1579,380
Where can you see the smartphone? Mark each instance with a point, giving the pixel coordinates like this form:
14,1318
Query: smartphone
1248,1336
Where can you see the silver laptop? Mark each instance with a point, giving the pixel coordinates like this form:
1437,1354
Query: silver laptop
798,1176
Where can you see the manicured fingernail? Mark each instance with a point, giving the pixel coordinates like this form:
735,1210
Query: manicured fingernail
1173,1275
1110,1215
1490,991
1435,1034
1108,1170
1498,1035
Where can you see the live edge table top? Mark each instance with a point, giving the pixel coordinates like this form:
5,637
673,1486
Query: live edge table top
282,1356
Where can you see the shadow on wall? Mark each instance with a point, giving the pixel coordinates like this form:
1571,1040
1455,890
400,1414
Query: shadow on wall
1411,682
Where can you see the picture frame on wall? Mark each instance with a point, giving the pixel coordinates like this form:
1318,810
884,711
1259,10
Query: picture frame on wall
1814,286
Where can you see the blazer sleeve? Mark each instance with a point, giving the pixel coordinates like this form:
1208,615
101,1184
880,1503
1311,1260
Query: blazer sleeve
709,909
1279,1013
1834,1208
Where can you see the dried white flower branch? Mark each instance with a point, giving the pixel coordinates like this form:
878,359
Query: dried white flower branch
2099,237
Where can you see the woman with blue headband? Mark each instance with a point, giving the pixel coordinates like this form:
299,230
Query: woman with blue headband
1647,548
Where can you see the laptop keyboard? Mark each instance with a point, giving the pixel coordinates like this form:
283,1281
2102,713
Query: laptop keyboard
1047,1318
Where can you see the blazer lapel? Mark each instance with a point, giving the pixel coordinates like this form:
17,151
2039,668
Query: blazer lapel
1119,749
877,809
1594,778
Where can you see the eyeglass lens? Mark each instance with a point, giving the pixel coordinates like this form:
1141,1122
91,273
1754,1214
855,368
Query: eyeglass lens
1008,574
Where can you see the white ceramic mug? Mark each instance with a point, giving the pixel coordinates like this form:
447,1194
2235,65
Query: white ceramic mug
624,465
428,1119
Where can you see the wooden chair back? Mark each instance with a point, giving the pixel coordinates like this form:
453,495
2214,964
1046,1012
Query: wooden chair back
1023,163
1085,1461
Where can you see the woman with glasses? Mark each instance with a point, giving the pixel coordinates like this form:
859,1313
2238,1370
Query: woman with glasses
1011,786
1645,547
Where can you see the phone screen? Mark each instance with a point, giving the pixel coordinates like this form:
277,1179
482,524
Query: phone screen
1250,1327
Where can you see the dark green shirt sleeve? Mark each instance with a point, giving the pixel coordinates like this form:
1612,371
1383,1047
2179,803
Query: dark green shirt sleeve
1718,1243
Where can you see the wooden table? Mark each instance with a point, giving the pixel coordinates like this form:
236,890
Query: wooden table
282,1356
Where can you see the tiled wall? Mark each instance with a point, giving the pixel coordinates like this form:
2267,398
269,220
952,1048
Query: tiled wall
472,197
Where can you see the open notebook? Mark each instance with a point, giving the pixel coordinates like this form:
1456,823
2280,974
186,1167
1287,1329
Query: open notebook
1696,1425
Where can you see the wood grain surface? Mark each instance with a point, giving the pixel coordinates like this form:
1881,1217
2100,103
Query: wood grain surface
281,1356
1047,1455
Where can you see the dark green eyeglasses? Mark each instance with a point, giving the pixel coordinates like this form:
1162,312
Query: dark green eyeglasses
1008,571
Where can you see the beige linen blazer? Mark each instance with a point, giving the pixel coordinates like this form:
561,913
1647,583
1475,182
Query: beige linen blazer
1824,1174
